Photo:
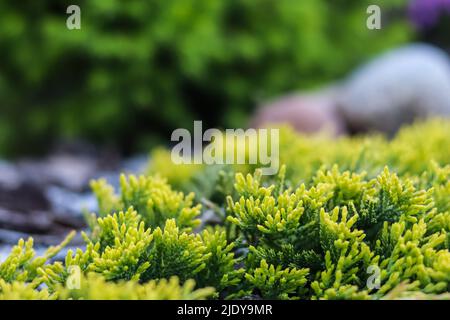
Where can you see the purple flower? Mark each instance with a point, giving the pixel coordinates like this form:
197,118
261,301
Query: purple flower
426,13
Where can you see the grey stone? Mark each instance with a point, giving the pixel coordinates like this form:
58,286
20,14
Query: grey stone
396,88
34,221
64,201
72,172
23,198
10,176
46,198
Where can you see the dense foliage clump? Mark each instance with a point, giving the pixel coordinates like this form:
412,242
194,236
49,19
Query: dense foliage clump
356,218
137,68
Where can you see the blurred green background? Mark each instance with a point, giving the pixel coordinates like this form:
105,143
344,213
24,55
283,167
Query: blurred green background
139,69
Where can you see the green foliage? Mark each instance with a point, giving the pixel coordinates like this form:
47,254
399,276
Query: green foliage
262,215
418,149
22,291
406,291
152,197
221,270
346,257
94,287
277,283
408,254
175,253
351,228
139,68
177,175
402,247
22,263
120,247
20,274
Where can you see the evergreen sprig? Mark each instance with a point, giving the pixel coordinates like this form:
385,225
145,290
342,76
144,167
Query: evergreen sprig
359,218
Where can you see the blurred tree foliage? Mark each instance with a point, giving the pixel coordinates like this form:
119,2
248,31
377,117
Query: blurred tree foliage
138,69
